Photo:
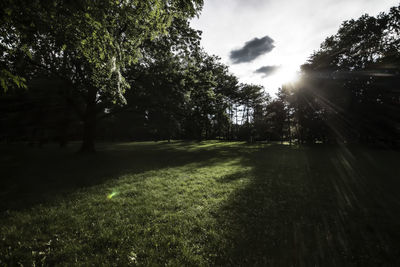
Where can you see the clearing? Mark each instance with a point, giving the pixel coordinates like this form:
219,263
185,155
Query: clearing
208,203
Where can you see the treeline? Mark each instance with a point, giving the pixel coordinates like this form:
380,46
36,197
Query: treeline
350,88
105,83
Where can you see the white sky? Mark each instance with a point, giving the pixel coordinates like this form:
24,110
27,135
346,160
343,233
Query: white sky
298,27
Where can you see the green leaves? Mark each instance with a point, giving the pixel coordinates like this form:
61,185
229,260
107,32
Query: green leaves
7,79
94,32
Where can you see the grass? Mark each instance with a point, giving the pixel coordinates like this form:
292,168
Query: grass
200,204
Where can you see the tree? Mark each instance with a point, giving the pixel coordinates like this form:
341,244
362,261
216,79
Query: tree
250,98
348,89
180,91
89,44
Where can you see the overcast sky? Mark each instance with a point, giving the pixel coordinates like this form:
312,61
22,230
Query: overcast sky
265,41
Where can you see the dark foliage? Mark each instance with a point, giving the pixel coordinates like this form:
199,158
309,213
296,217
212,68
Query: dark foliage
172,89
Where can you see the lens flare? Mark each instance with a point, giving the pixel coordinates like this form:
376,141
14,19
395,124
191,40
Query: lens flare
113,194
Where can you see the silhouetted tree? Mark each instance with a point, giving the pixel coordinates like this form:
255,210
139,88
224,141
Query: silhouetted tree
348,89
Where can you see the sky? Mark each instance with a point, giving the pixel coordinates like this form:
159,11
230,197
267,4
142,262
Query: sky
265,41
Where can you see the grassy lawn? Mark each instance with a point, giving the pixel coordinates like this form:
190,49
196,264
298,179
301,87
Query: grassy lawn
200,204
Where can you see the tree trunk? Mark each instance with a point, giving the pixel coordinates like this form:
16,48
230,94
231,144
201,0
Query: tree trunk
89,123
289,130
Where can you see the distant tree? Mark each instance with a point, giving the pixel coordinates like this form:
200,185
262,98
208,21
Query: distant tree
251,98
275,117
179,90
202,82
259,122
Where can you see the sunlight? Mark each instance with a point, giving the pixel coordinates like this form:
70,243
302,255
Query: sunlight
287,74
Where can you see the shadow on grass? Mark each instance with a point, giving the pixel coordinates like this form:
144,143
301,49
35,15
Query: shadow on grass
32,176
315,206
320,206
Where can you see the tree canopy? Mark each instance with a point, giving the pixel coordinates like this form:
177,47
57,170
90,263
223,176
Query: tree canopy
87,44
135,70
349,86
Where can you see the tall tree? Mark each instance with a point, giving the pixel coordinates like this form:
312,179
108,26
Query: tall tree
89,44
348,92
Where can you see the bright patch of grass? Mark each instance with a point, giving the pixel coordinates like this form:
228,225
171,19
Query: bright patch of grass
191,204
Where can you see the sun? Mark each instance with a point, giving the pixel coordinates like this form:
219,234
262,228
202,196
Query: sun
288,74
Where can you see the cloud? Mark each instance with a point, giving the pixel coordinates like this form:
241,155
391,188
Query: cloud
252,49
267,70
251,4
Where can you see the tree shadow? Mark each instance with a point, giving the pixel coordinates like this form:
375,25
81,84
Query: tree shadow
32,176
312,206
298,206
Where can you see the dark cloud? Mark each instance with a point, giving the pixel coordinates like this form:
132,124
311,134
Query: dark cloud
267,70
252,49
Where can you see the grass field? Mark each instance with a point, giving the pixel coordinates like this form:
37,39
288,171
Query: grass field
200,204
